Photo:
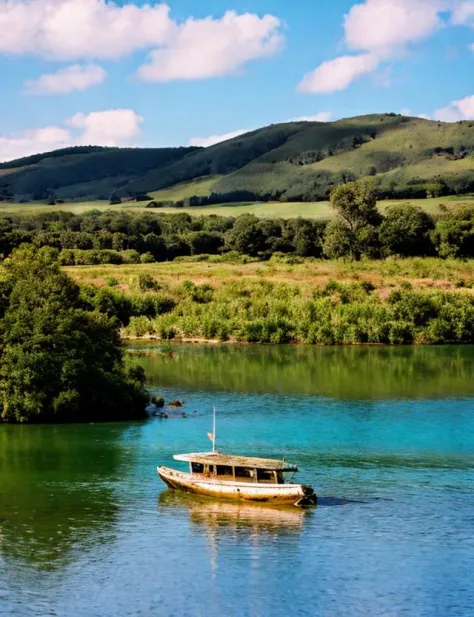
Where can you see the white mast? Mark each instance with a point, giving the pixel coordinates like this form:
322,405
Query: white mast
214,431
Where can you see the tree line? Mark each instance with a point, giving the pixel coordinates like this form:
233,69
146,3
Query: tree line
357,230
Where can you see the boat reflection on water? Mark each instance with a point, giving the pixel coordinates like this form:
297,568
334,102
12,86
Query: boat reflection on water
235,516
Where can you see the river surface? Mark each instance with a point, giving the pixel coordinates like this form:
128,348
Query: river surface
385,436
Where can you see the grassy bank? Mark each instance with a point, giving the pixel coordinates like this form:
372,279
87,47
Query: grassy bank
313,302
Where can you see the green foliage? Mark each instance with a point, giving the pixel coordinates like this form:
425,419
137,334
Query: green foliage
454,233
354,232
335,314
59,362
147,283
147,258
358,230
406,230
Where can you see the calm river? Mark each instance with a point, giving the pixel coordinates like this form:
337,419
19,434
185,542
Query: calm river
385,436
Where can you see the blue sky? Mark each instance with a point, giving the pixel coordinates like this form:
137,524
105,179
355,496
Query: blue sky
191,71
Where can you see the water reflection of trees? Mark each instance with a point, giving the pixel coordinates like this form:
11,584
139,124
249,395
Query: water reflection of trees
56,491
342,372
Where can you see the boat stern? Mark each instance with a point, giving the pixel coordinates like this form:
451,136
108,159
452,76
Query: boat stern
309,497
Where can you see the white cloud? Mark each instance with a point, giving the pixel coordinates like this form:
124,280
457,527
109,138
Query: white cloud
462,109
387,24
214,47
463,14
114,127
32,141
336,75
322,116
70,29
379,30
70,79
100,29
205,142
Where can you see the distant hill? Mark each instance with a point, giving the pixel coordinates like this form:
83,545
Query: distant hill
299,161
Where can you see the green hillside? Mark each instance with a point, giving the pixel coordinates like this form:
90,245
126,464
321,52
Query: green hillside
300,162
81,173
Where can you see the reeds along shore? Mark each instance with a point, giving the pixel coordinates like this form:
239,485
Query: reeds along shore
301,304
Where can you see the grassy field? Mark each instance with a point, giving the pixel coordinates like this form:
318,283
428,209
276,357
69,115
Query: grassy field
201,187
317,210
422,273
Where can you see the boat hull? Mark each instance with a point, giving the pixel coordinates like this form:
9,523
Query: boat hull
274,494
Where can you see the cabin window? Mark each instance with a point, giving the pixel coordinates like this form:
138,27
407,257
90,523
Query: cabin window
242,472
197,467
223,470
264,475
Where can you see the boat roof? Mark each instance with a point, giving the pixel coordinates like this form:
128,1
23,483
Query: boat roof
216,458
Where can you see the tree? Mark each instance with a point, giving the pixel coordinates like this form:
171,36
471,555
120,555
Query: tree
355,231
305,236
454,233
405,231
204,242
246,236
58,361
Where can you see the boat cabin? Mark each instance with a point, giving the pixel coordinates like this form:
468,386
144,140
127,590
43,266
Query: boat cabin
237,468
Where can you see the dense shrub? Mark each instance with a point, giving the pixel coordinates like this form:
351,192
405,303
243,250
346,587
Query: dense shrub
336,314
405,231
59,361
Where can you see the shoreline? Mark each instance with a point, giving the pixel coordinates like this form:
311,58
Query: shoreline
217,343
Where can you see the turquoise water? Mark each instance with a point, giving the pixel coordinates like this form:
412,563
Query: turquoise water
87,529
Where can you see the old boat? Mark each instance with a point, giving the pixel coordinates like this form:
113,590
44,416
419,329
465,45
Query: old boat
238,477
243,478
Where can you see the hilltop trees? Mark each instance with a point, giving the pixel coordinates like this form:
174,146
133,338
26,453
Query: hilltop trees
58,361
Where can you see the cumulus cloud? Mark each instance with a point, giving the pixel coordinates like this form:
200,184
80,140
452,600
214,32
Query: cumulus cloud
202,48
70,79
71,29
336,75
462,109
378,30
98,29
387,24
205,142
113,127
32,141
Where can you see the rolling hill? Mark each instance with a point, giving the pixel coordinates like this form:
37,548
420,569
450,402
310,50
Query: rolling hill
302,161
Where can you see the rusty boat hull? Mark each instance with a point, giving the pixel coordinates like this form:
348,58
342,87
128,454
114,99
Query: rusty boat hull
299,495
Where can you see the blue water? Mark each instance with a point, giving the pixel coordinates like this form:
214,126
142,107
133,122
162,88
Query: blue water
95,534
